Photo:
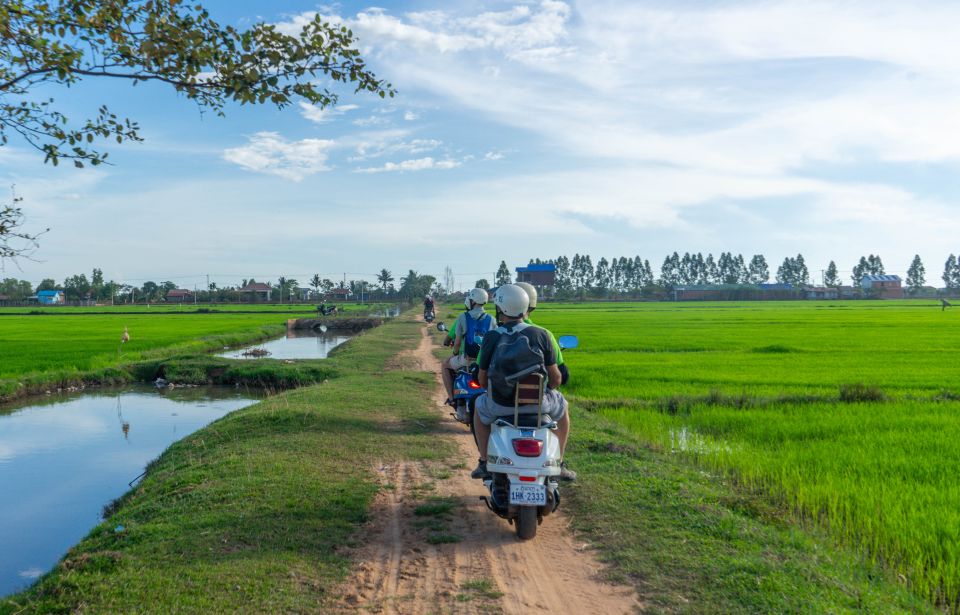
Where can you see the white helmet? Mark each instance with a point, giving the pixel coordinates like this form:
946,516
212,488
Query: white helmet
478,296
511,300
531,292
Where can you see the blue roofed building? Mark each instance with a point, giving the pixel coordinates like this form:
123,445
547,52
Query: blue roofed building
50,297
540,276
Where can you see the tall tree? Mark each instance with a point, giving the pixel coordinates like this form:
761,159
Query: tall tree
710,273
794,271
950,275
861,269
602,276
315,282
482,283
562,282
916,275
831,279
670,275
875,265
503,274
384,278
758,270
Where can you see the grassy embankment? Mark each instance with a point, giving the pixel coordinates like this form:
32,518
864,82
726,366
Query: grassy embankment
841,418
65,348
251,513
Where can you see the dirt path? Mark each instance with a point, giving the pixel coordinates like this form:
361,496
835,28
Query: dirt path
434,547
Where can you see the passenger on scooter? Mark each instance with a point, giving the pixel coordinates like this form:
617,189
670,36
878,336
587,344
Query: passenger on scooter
470,327
532,294
512,303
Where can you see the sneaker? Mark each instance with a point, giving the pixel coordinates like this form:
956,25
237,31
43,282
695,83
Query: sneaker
565,472
481,471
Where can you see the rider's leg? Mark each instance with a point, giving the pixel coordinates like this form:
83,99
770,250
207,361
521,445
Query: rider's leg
482,434
447,373
563,431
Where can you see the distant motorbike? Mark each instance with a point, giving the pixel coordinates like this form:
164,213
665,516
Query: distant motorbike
324,310
523,456
428,316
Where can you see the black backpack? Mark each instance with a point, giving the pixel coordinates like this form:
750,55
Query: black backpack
513,359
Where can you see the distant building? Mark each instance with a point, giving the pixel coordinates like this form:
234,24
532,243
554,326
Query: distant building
50,297
822,292
338,294
882,286
538,275
179,295
256,291
4,299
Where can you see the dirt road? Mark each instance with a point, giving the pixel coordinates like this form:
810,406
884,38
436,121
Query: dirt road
433,547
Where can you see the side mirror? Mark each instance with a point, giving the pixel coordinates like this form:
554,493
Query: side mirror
441,326
568,342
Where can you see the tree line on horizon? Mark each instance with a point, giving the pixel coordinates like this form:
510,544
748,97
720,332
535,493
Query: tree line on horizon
633,275
79,287
577,275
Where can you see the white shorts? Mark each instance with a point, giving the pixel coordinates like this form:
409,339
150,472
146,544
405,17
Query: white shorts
489,411
457,361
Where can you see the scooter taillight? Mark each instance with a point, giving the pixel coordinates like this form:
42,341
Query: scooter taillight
473,384
528,447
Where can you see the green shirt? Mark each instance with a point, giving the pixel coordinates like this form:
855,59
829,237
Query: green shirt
553,340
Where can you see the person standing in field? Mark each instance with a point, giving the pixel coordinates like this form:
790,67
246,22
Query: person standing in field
532,295
468,333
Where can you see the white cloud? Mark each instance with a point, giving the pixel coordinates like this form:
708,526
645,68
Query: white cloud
268,152
410,116
323,114
416,164
493,156
390,143
373,120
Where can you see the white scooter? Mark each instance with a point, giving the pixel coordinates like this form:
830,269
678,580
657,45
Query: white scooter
523,459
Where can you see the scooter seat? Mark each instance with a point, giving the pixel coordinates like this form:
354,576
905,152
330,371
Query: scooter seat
530,420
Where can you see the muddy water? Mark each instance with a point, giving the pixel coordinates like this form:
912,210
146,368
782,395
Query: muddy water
65,457
296,344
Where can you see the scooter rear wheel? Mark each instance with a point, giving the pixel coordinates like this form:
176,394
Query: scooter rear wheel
526,523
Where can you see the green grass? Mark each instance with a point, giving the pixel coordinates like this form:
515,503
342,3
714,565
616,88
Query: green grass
692,542
65,343
843,415
251,514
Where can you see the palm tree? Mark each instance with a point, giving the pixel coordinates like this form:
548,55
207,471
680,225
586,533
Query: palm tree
384,277
316,282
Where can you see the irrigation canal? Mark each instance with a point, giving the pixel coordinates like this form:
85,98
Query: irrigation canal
296,344
64,457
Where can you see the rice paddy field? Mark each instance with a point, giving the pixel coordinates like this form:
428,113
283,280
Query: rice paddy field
847,414
67,339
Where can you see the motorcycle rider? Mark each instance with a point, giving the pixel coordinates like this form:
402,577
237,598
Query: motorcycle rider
512,303
428,305
532,294
472,323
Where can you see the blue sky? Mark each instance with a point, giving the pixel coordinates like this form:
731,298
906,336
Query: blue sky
533,129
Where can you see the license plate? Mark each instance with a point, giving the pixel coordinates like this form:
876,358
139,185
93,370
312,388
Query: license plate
528,495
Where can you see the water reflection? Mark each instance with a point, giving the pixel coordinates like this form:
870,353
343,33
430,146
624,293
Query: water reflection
66,456
296,344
